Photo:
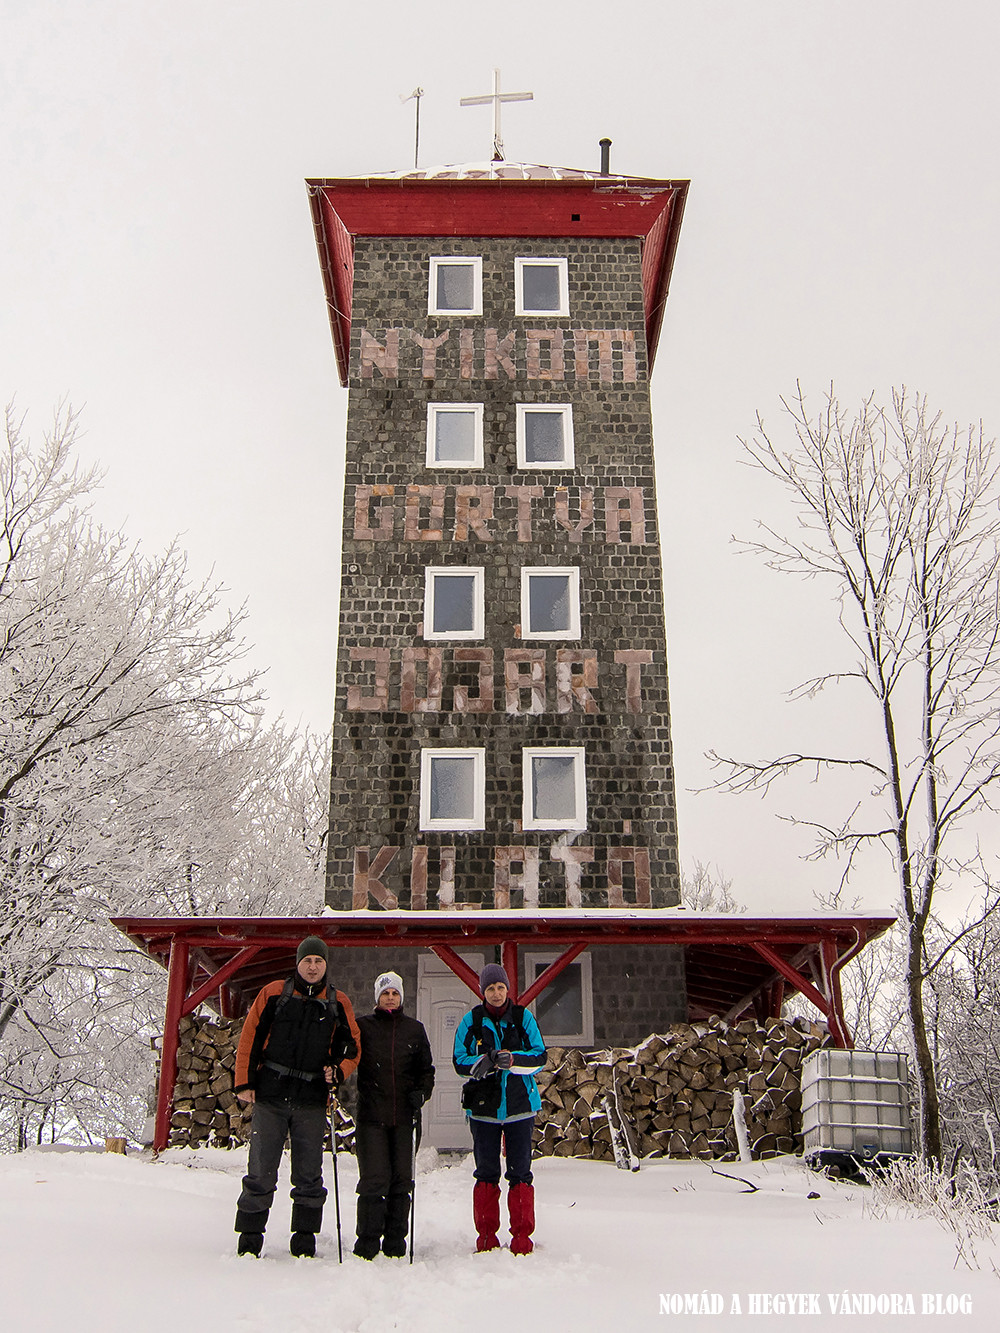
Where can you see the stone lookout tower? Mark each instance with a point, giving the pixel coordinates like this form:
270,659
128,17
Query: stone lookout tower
502,780
502,731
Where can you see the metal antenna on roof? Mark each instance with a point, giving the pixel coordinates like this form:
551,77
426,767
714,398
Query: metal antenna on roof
496,97
411,97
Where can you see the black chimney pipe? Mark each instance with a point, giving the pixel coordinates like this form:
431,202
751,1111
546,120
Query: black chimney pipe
605,157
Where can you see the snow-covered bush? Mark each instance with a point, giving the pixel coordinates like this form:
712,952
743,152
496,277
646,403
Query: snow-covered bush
954,1199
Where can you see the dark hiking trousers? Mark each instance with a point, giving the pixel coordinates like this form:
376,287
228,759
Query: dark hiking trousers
272,1123
385,1181
385,1159
516,1136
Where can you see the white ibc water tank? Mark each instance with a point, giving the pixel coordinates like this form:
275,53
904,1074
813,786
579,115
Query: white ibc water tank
855,1103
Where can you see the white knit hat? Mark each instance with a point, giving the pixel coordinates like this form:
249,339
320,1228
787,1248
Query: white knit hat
388,981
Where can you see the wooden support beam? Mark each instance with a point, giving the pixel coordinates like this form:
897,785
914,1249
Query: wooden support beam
785,969
177,984
458,965
551,972
217,979
508,952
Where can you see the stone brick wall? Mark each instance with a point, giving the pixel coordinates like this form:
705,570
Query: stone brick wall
396,692
637,990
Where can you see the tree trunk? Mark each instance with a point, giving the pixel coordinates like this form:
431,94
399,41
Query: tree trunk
923,1061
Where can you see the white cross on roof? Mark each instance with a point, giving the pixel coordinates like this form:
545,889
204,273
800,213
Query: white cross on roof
496,97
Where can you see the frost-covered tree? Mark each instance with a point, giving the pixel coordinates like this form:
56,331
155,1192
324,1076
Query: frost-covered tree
101,650
706,890
136,776
963,1003
899,516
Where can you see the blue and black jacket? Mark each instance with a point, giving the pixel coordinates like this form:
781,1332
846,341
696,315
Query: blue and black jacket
515,1031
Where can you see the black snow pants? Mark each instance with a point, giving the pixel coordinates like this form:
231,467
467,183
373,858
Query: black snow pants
385,1166
272,1123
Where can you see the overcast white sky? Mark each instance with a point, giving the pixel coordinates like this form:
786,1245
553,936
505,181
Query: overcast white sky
157,267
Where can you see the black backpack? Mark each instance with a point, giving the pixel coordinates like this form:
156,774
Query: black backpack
481,1096
344,1046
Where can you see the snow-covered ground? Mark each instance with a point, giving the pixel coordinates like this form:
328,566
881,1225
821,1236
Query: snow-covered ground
90,1241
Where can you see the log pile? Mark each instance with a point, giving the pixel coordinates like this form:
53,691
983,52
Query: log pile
673,1094
206,1111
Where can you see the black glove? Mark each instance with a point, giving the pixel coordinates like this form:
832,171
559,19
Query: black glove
491,1062
416,1099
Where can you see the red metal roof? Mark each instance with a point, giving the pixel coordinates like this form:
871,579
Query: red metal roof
520,202
722,963
732,963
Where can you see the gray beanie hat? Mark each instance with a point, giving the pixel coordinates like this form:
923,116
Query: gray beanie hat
312,944
490,975
388,981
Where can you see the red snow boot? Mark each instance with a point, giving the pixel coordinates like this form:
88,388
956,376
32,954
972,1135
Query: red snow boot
486,1215
521,1206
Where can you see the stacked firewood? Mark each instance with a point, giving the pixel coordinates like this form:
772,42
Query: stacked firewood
205,1107
673,1094
206,1111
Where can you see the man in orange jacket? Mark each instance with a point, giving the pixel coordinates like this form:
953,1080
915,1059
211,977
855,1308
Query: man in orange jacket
298,1040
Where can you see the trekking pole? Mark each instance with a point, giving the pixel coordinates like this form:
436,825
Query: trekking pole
418,1124
336,1179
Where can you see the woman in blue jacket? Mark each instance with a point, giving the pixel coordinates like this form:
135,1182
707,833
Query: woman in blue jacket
499,1049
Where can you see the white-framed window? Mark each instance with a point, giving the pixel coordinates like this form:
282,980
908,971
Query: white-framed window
555,787
565,1009
550,602
544,435
453,602
454,435
456,285
453,789
541,286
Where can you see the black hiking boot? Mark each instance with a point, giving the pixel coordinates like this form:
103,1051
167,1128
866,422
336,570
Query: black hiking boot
250,1227
303,1244
371,1220
397,1217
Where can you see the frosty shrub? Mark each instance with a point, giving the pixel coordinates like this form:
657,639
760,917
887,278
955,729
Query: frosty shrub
955,1200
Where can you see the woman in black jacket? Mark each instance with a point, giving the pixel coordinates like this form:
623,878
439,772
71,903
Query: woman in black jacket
395,1078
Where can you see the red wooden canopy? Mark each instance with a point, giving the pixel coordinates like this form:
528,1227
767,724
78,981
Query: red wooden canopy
733,964
513,199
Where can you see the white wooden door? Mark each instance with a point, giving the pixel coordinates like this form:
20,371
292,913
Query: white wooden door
442,1000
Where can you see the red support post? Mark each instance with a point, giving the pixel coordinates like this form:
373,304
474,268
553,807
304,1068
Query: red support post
784,969
177,983
218,977
551,972
508,952
458,965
